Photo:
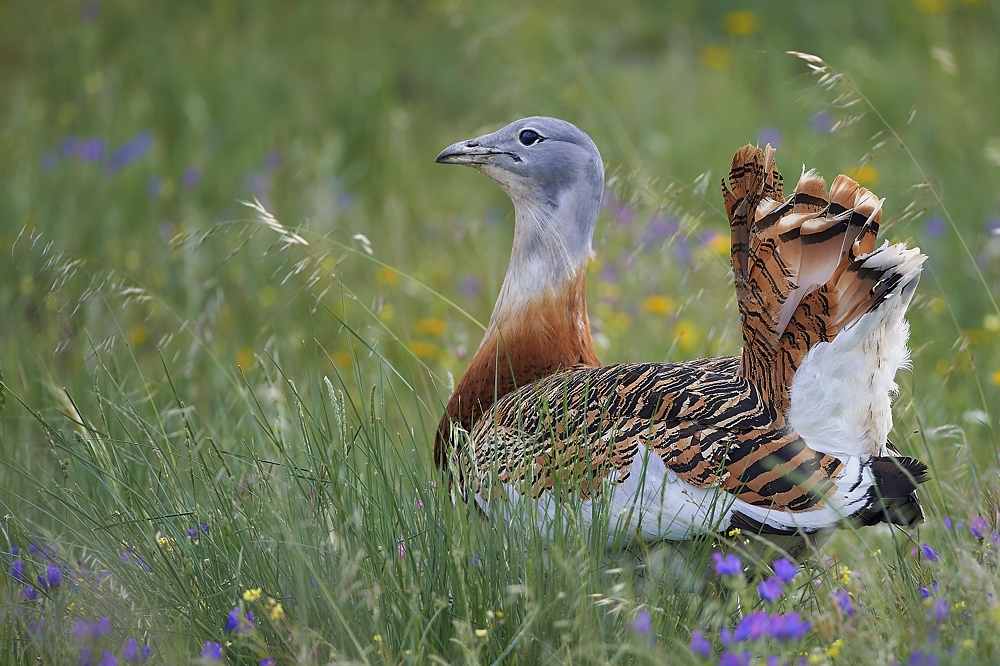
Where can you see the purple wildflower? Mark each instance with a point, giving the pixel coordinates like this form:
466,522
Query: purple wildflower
204,528
939,610
235,623
90,150
145,652
401,548
269,661
609,273
36,627
844,602
191,176
642,624
85,658
769,135
734,659
100,628
789,626
753,626
272,160
81,629
918,658
934,226
978,528
53,576
14,550
728,565
993,226
822,122
699,644
625,215
769,590
131,650
129,152
192,533
785,570
108,659
928,552
658,229
30,594
212,651
947,522
471,285
17,571
773,660
726,636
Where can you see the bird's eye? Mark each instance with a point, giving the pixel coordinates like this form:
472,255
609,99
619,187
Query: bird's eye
529,137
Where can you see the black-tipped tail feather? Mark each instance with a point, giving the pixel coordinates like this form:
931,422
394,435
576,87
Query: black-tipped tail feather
893,497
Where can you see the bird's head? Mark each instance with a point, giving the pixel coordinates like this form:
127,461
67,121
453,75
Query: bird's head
553,173
539,158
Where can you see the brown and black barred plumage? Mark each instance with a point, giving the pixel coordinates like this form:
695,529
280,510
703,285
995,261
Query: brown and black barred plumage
788,438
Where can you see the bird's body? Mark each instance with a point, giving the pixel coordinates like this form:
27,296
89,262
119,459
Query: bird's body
789,438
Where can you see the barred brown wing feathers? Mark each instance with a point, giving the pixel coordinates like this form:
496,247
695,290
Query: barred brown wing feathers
711,429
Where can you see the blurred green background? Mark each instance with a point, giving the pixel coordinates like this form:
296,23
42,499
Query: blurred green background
131,131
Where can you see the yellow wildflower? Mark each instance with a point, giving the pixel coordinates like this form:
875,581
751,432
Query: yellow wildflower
386,275
733,532
834,648
377,638
995,378
499,614
658,305
252,595
481,633
687,335
424,349
715,57
865,174
741,22
276,613
720,244
431,326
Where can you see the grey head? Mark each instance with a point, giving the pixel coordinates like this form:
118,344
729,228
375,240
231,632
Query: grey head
553,173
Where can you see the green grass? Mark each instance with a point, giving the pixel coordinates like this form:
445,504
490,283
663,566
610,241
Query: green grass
169,361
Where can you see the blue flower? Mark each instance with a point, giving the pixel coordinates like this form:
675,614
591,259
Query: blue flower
769,590
734,659
236,624
14,550
978,528
769,135
928,552
920,659
728,565
30,594
785,570
269,661
131,650
789,626
822,122
939,610
658,229
699,644
934,226
212,650
85,658
17,571
752,626
642,624
947,522
53,576
844,602
108,659
191,176
192,533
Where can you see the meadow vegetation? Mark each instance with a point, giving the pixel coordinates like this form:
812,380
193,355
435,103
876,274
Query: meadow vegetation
216,418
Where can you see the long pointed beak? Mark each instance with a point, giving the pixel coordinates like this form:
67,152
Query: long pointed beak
467,152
